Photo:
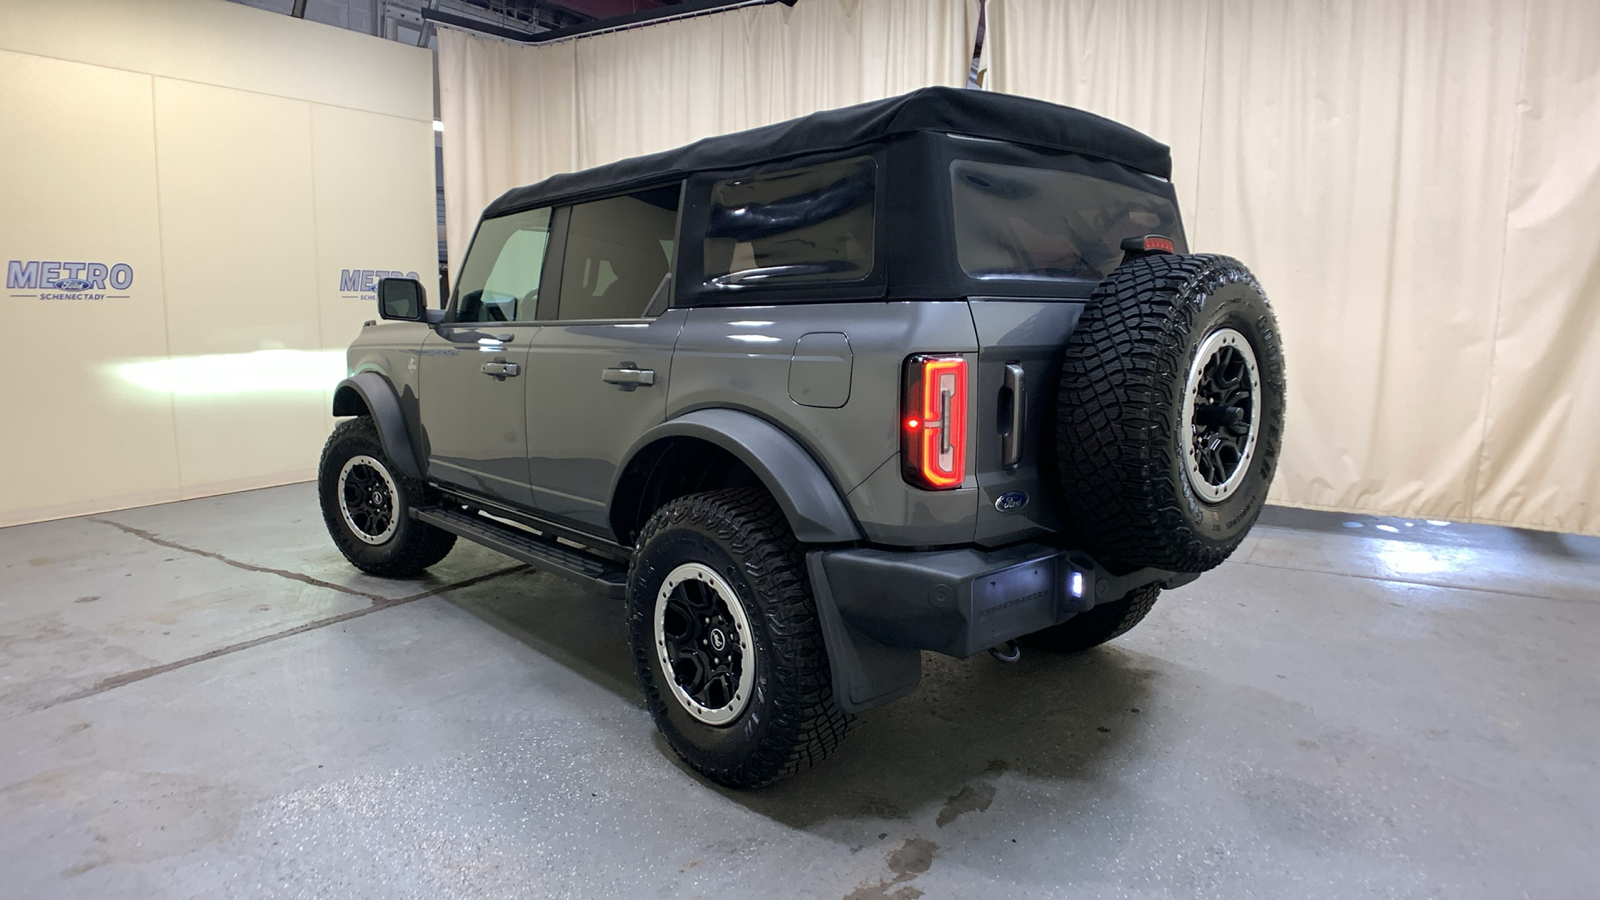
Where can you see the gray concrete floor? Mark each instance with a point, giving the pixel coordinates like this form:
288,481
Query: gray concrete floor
203,700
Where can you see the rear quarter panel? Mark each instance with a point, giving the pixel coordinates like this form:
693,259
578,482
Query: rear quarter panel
739,357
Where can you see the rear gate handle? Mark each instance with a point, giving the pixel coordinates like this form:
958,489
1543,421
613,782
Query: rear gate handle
629,376
1011,437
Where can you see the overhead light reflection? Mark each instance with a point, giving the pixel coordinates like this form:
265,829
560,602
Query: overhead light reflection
1400,559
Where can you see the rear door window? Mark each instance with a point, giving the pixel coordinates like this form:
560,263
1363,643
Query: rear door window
810,224
619,254
1031,223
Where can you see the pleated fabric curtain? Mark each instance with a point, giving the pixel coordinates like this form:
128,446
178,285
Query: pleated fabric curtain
1418,187
514,114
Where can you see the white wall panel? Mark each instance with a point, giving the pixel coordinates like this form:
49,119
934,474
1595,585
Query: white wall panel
237,161
237,228
73,429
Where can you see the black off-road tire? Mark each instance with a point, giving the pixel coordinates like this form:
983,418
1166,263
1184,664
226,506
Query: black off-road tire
790,720
1121,430
1098,625
413,546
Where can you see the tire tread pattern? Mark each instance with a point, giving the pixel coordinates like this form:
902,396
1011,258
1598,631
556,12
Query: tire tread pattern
1122,384
805,725
415,546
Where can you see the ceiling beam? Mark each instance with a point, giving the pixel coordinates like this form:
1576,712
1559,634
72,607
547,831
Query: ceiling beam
686,9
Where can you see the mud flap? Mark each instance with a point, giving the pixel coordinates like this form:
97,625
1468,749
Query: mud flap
865,673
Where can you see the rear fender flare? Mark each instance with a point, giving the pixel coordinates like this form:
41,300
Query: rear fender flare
369,393
808,498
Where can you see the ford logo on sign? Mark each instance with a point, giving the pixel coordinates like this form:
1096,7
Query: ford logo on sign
71,284
1012,501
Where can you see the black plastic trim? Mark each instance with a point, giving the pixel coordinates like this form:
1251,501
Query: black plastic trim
383,405
545,554
865,672
963,601
808,498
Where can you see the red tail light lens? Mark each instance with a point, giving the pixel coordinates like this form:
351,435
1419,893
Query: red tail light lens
934,421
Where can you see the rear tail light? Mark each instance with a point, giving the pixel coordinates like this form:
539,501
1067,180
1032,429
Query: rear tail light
934,421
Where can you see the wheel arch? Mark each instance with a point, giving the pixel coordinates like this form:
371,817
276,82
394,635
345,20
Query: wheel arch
807,496
371,394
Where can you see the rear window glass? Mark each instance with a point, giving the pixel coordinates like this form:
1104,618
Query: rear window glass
804,225
1033,223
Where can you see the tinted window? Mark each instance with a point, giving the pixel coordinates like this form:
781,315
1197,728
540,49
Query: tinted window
1023,222
618,263
500,280
810,224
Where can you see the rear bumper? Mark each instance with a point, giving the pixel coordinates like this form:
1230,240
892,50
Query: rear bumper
879,607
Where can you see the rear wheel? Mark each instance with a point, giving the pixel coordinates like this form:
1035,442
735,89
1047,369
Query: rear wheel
726,642
367,506
1098,625
1171,412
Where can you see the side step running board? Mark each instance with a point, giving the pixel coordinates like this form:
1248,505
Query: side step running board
542,553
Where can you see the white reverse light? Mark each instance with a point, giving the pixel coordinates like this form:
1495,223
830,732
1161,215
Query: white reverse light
1077,584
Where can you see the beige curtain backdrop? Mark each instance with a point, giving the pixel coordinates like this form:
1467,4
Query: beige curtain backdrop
516,114
1418,186
240,164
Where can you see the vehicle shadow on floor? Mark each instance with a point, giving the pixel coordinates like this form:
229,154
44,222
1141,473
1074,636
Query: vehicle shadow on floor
1048,716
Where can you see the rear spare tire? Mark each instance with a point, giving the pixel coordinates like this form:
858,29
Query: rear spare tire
1170,416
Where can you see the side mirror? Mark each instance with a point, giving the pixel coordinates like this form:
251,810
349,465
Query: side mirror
402,298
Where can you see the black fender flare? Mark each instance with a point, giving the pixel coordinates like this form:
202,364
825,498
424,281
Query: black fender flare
804,492
374,392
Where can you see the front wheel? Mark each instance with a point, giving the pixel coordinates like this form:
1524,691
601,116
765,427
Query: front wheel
726,642
367,506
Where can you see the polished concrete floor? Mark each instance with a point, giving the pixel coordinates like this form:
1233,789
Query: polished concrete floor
203,700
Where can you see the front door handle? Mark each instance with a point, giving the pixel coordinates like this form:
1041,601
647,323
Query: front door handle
501,370
629,377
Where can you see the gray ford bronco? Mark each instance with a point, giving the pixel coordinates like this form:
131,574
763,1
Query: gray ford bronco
934,373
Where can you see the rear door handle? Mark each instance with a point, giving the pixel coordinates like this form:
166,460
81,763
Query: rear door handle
1011,437
629,377
501,370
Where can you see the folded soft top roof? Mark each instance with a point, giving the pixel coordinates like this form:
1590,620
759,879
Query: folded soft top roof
944,110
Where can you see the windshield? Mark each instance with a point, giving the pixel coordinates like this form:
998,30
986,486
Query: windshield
1035,223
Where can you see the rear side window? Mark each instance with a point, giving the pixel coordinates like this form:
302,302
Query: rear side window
1036,223
618,263
804,225
500,280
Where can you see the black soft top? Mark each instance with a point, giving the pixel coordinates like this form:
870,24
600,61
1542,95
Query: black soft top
982,114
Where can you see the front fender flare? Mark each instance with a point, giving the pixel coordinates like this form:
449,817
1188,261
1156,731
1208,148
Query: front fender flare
808,498
383,405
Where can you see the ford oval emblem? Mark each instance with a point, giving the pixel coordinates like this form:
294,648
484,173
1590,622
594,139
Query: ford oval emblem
71,284
1012,501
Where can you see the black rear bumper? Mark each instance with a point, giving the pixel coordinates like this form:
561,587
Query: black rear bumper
880,607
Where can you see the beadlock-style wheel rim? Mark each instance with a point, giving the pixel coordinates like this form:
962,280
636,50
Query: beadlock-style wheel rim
367,499
703,642
1221,415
